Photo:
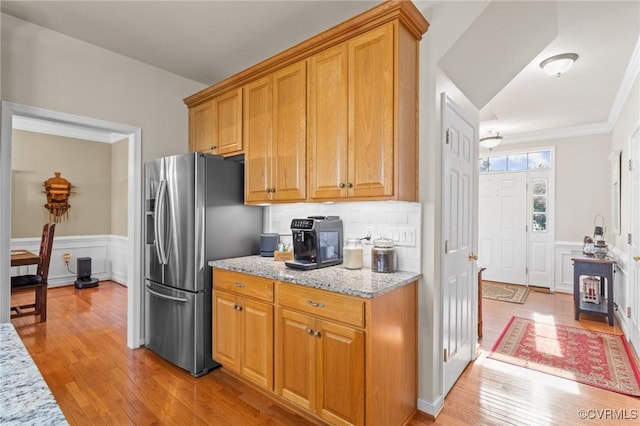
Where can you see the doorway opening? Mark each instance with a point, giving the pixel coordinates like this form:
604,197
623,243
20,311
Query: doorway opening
134,134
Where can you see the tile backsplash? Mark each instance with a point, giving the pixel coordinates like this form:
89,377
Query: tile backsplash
399,220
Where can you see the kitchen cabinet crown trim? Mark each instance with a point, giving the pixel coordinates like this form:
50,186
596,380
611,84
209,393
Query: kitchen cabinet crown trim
402,10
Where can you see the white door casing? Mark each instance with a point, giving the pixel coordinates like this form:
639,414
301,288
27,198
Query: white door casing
459,272
634,237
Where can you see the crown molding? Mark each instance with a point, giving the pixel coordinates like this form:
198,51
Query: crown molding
560,133
630,75
60,129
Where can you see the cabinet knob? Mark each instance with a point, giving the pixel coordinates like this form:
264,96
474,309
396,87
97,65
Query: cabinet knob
237,307
636,258
309,331
341,185
349,185
213,147
316,333
237,284
473,256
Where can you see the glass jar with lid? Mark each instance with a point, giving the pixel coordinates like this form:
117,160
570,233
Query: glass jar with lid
352,254
383,255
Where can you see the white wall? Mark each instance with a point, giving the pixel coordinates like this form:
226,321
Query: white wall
46,69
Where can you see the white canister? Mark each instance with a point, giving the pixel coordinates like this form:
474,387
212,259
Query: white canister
352,254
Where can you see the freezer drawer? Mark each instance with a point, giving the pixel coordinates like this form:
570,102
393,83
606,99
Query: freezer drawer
177,329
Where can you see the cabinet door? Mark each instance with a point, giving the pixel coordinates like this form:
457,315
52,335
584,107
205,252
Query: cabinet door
371,133
258,139
327,124
201,127
227,325
340,356
290,115
296,368
257,343
227,123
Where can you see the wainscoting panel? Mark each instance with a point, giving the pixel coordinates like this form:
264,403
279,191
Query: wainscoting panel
108,255
564,265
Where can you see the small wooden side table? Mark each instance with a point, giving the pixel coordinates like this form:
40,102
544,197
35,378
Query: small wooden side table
594,266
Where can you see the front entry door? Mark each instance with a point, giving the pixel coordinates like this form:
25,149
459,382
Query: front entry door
459,211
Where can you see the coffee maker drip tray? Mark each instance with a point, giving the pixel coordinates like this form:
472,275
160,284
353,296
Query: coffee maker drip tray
301,264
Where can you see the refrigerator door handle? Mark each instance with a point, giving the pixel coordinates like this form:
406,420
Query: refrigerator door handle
159,222
164,296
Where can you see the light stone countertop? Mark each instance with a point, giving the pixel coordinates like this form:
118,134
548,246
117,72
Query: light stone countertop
25,398
359,282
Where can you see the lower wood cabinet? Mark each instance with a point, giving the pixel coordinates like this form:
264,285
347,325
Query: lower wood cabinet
341,359
320,367
243,331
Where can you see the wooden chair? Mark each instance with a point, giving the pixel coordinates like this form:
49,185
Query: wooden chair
36,283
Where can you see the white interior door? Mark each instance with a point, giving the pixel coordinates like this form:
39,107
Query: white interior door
502,227
459,277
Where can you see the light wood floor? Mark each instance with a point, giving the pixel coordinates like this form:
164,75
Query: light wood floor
82,354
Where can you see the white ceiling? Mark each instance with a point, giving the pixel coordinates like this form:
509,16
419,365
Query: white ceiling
207,41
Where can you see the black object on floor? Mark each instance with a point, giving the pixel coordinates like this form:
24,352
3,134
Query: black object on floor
84,274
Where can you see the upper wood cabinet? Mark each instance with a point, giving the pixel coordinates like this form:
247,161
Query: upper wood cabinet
351,119
346,128
275,136
215,126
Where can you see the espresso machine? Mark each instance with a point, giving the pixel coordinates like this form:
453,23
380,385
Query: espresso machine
317,242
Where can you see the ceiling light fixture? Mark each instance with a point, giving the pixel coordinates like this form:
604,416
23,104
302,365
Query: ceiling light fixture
491,142
558,64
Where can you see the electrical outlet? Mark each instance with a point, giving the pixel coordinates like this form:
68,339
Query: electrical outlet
66,257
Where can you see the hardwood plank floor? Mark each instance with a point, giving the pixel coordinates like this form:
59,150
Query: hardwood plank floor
82,354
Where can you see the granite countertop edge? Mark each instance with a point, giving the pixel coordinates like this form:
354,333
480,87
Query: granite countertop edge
361,283
25,397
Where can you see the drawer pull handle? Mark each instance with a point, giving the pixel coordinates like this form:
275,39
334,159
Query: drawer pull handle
237,284
314,304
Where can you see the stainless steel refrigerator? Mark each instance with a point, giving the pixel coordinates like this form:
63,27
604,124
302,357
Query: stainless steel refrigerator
194,213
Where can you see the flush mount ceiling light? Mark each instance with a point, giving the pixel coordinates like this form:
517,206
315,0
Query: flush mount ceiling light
491,142
558,64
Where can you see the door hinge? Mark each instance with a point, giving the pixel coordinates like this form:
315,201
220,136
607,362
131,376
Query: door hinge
629,239
446,355
448,136
630,165
526,270
446,247
526,228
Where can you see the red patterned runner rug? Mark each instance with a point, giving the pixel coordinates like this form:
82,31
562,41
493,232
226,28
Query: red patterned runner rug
598,359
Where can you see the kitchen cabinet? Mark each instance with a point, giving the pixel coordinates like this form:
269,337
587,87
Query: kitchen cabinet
243,325
215,126
329,345
361,143
358,140
321,367
274,136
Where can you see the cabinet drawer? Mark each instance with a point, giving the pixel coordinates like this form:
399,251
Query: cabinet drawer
321,303
243,284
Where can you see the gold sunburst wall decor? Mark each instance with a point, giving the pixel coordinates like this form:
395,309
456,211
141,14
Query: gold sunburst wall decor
58,190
